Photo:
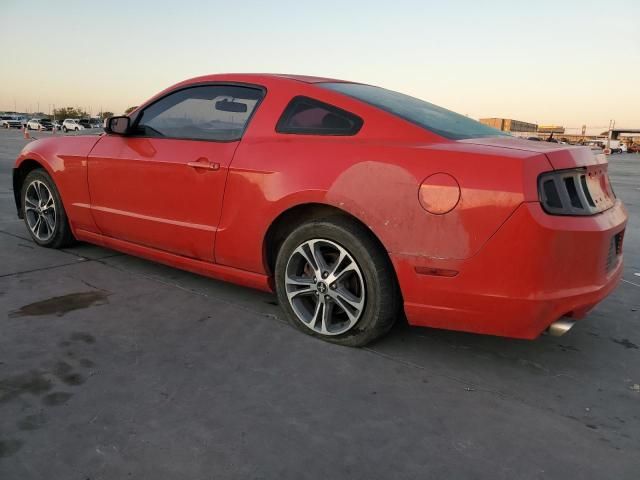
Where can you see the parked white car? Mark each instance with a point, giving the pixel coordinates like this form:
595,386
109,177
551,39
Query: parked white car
72,124
617,146
39,124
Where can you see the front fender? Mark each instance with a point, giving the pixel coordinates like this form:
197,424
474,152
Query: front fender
65,160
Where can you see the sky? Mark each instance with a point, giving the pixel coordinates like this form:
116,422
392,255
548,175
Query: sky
548,62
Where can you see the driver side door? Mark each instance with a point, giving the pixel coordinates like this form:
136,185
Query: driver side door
161,186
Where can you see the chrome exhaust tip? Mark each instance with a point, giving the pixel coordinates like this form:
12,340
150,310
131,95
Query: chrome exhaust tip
559,328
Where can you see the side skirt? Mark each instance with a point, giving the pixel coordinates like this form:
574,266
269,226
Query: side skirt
212,270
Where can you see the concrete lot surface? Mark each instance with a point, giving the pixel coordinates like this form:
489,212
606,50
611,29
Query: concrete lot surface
112,367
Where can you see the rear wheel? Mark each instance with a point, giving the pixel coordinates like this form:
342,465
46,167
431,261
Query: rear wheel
335,282
43,211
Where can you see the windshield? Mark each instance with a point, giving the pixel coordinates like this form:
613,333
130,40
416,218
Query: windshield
436,119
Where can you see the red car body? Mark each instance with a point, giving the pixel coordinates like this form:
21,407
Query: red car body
491,260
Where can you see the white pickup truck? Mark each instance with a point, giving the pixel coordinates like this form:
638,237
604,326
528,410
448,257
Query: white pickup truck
10,121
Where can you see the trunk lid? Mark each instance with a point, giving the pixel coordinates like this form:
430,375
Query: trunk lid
560,156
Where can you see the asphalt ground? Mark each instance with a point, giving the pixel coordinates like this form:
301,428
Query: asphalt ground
113,367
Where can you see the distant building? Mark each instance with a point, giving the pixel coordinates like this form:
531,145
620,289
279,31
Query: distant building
550,129
510,125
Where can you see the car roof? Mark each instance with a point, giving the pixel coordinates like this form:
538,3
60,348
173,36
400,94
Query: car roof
260,77
266,79
308,79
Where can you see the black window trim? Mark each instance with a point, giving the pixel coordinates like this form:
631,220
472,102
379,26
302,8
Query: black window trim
135,118
281,126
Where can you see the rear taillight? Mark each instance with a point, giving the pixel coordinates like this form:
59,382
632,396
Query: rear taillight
579,191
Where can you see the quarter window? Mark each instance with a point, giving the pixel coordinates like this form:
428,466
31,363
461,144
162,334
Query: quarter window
305,115
208,112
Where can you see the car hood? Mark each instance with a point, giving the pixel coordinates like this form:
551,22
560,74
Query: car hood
560,156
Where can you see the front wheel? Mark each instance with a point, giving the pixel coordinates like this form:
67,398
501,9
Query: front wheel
43,211
335,281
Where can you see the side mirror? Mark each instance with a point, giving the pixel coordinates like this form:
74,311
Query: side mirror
117,125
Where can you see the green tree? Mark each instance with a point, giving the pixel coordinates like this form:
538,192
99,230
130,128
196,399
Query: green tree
106,115
129,110
69,112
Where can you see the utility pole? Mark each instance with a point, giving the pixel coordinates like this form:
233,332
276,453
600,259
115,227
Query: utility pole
612,124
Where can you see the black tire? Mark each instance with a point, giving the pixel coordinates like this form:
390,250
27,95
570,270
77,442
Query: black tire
382,295
61,236
64,129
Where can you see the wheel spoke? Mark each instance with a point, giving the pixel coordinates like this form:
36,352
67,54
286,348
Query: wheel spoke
29,204
348,302
36,192
49,203
303,291
339,270
327,309
44,226
337,263
317,256
311,323
307,256
36,227
45,194
31,216
50,221
299,281
41,192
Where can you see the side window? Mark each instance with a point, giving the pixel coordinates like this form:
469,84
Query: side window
305,115
209,112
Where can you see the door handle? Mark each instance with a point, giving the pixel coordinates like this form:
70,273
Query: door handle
206,165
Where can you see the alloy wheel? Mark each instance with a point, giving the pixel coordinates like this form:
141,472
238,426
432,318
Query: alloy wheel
325,287
40,210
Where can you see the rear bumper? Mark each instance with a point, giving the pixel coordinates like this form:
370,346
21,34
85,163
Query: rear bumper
535,269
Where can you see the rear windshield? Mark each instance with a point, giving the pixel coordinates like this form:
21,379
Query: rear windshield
436,119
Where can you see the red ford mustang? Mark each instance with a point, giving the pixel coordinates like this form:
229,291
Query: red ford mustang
354,203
